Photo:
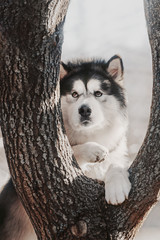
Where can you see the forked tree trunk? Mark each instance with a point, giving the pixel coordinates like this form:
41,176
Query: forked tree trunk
60,201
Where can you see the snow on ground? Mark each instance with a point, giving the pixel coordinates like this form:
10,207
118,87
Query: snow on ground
101,29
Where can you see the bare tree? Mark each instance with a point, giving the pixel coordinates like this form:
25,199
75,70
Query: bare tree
61,202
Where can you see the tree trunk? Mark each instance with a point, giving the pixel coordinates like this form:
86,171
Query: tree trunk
61,202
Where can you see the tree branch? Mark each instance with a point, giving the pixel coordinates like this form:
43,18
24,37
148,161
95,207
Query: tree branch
145,170
61,202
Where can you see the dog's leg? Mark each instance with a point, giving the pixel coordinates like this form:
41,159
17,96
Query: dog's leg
89,152
14,222
89,156
117,184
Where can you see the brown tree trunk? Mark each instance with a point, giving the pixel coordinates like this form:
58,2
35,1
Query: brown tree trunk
60,201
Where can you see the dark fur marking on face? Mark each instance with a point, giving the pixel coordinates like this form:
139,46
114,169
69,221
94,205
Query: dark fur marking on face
85,71
115,90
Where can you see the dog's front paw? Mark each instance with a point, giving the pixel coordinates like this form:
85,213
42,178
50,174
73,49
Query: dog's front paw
117,187
96,152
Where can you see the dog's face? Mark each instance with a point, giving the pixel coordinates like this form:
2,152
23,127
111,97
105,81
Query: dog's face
91,93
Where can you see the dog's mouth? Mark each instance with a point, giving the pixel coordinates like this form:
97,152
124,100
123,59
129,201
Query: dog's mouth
86,122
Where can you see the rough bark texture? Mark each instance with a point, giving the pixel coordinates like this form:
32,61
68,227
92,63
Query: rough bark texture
48,181
60,201
125,220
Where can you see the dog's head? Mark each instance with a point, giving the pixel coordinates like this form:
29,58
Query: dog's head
91,93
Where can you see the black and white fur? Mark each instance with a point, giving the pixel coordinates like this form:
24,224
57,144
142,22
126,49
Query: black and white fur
95,118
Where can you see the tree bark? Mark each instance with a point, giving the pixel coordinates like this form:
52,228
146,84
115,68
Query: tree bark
61,202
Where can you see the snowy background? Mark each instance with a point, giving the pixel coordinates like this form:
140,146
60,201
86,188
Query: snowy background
102,28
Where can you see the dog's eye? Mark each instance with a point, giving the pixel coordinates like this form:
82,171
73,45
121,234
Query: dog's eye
75,95
98,94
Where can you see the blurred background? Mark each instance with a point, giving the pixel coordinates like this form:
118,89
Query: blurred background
102,29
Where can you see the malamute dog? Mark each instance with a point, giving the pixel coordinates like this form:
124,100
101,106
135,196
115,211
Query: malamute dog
95,118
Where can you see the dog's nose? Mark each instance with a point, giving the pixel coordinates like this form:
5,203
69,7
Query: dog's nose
85,111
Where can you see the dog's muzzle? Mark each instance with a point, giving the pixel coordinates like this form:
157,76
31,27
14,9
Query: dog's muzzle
85,112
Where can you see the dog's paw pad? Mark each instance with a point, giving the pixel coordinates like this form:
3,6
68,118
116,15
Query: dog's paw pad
117,189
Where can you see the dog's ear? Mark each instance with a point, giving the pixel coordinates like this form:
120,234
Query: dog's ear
115,69
63,70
